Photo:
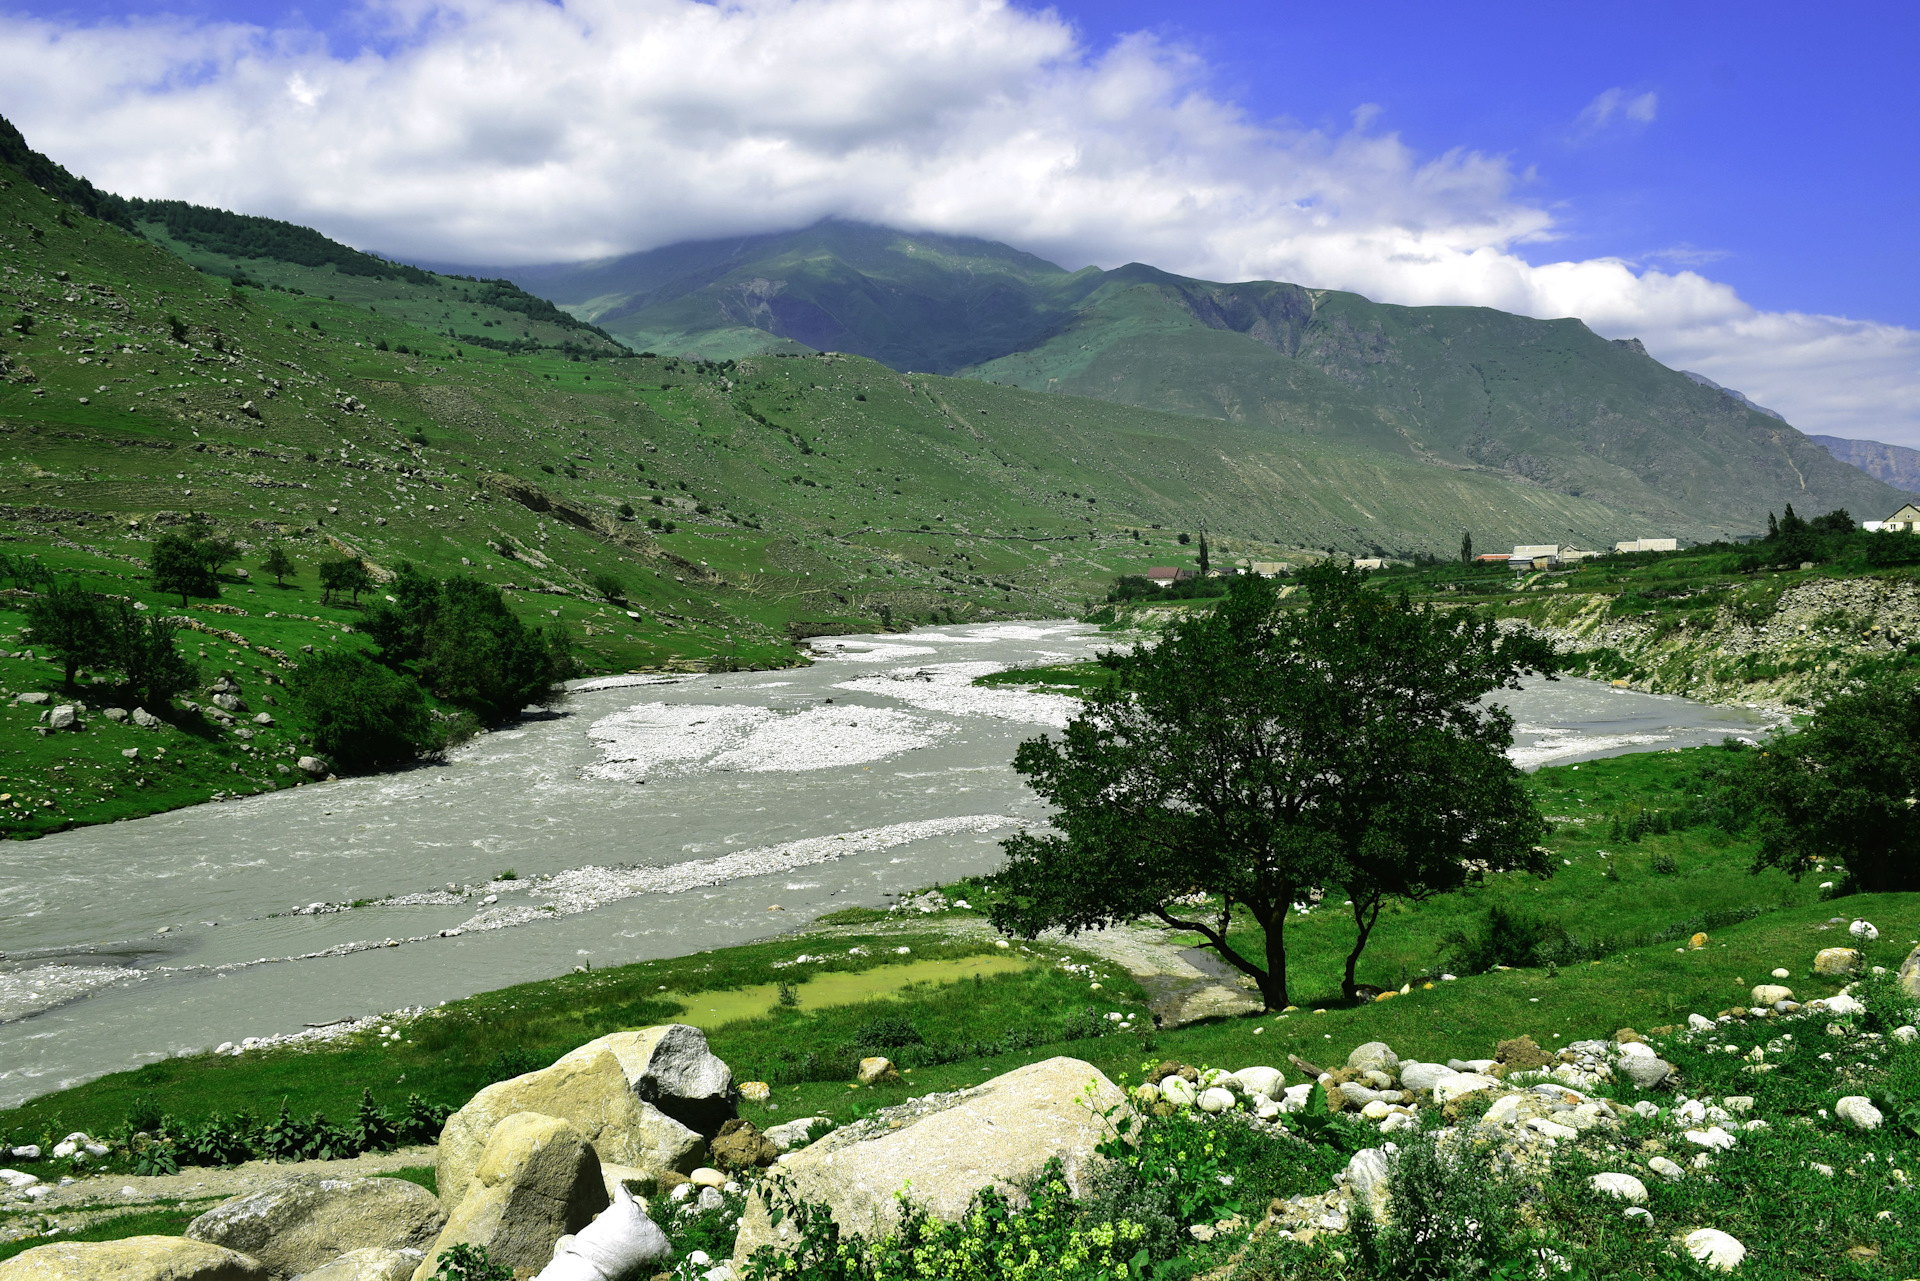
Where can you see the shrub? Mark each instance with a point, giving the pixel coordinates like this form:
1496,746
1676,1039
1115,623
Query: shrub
468,647
1508,936
609,585
464,1262
1841,788
141,646
363,715
1452,1218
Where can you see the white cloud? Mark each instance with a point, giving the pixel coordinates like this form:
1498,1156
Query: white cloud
500,131
1640,108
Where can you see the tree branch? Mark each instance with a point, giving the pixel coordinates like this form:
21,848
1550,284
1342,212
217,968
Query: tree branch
1217,941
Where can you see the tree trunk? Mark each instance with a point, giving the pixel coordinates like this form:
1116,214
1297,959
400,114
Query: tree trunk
1365,913
1274,986
1276,947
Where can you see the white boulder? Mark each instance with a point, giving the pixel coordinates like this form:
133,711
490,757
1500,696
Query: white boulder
1624,1186
1858,1112
1714,1248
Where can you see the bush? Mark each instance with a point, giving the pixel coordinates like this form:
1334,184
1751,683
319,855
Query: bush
1509,936
1452,1218
364,716
609,586
1842,788
141,646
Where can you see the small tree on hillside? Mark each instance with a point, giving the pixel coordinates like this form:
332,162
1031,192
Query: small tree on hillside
1841,789
279,564
180,565
72,622
1205,562
1258,752
143,650
346,575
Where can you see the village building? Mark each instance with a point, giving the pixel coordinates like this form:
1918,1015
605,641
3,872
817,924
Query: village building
1648,545
1167,575
1907,519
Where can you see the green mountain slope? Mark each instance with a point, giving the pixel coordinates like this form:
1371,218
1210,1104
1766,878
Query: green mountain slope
914,302
1545,404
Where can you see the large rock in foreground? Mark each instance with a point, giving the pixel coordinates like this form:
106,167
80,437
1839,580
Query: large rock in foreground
537,1181
297,1224
369,1264
132,1259
649,1100
1000,1134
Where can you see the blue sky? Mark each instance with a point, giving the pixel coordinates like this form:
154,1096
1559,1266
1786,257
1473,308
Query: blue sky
1732,184
1785,143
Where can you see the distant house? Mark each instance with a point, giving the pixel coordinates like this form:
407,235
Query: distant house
1167,575
1491,558
1269,568
1648,545
1370,562
1906,519
1534,556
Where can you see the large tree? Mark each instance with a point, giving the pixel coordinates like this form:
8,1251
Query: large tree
1266,748
1842,789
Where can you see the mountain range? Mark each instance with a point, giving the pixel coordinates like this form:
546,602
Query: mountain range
1467,390
828,430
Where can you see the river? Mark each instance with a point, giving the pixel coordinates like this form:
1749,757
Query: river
649,816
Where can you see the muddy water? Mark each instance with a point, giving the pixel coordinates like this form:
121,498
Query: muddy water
649,817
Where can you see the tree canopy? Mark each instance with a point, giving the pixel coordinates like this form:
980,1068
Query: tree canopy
364,716
1264,749
72,622
185,566
467,646
1841,790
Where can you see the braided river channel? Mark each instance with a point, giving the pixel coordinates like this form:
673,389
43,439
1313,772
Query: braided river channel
646,817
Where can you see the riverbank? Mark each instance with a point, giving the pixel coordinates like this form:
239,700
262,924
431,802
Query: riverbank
799,1011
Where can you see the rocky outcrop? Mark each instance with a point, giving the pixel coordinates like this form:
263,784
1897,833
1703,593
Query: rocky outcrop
132,1259
948,1147
537,1180
648,1100
1753,648
297,1224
